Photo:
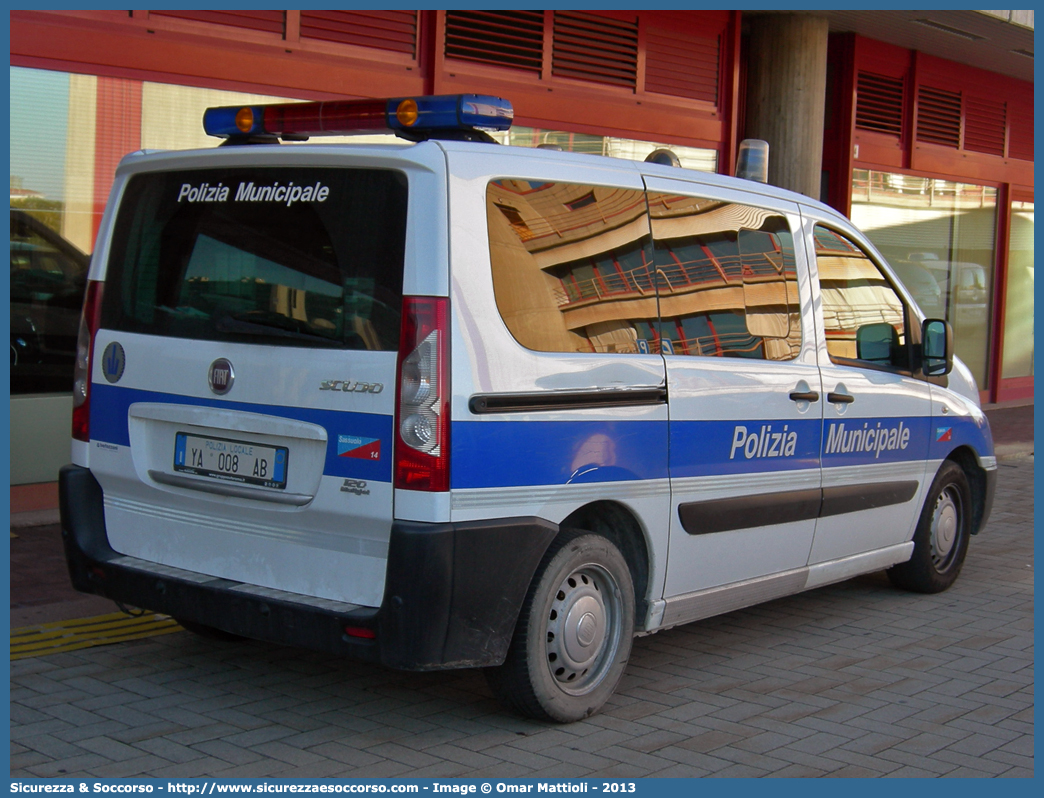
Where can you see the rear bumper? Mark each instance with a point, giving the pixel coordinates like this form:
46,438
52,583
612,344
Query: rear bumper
452,591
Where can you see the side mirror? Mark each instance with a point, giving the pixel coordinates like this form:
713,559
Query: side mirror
936,347
877,343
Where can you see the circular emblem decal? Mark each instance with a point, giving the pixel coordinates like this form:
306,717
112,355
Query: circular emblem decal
114,360
221,376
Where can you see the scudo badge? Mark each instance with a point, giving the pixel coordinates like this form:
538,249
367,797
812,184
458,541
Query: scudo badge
221,376
351,386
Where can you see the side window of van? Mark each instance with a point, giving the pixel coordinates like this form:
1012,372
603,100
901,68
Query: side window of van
727,279
864,317
571,269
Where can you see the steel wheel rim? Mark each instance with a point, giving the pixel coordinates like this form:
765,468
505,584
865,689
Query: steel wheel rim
583,628
947,519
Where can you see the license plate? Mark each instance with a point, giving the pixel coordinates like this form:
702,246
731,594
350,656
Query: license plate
231,460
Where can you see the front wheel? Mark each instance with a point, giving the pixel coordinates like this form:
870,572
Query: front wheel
941,538
573,634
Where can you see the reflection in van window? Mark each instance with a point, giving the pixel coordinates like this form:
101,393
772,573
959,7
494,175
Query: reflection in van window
727,279
858,302
318,269
571,271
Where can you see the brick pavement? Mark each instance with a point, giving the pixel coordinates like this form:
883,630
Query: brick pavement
1012,428
855,679
40,588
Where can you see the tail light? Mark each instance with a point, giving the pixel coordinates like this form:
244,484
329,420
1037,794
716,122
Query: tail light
422,422
361,632
84,353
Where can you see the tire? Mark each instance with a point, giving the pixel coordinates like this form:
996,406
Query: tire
942,535
573,635
208,632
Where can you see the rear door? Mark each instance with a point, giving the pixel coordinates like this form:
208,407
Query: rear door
243,391
743,382
557,399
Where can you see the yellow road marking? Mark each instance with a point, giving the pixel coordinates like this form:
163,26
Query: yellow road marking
60,636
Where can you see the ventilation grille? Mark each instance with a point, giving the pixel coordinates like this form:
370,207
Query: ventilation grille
503,38
393,31
879,104
268,21
681,65
1020,135
939,116
984,123
596,48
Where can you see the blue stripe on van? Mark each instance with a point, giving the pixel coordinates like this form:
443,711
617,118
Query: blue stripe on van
110,403
490,454
864,441
947,433
707,448
493,454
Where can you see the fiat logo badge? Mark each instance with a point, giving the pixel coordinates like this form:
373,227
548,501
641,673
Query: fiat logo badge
221,376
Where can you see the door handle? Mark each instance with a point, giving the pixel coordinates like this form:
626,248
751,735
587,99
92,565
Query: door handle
840,398
804,396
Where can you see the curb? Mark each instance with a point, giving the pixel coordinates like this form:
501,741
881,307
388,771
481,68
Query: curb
35,518
1013,451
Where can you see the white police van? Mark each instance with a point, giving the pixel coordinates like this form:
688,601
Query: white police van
456,404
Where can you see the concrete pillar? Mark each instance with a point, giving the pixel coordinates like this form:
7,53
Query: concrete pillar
786,96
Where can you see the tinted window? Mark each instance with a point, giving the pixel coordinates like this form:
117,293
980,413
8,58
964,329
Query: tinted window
864,317
571,266
48,277
297,257
727,279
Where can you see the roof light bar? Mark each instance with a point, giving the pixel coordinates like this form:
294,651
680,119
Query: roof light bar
406,116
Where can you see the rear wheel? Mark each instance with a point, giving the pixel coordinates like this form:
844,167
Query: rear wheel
573,635
941,539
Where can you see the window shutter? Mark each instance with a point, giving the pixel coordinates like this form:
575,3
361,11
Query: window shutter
392,31
681,64
502,38
267,21
879,104
939,116
1020,135
596,48
984,123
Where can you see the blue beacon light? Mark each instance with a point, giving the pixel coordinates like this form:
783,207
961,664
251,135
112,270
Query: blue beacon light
412,117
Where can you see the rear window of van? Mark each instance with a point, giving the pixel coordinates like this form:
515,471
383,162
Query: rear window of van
286,256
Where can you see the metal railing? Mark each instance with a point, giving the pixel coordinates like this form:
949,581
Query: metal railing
681,274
